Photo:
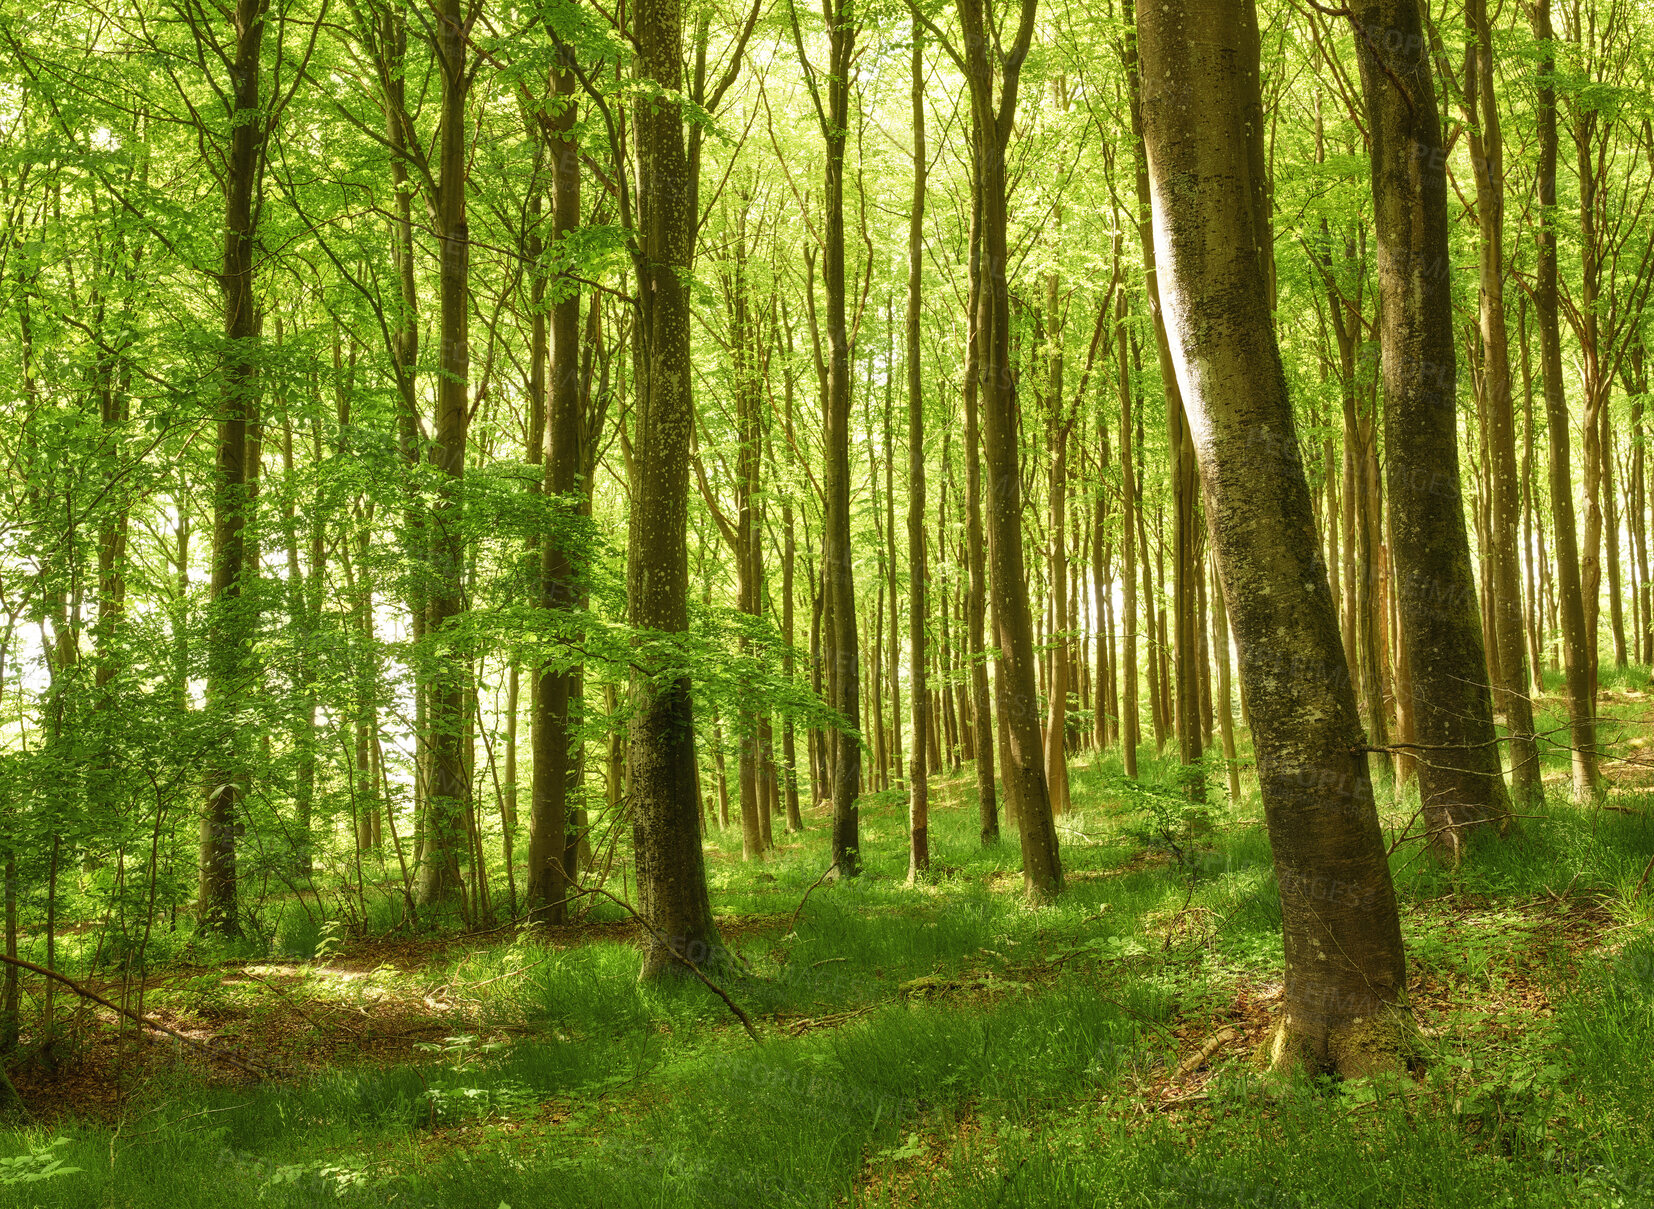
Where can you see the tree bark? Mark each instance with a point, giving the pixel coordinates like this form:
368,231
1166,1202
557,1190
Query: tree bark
983,721
918,810
1576,645
671,868
1024,771
1461,782
441,880
1345,997
1487,158
555,724
229,629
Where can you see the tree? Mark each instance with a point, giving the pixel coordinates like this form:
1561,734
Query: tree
227,679
671,869
918,811
842,21
1487,155
1203,129
555,729
1576,648
1024,774
1460,780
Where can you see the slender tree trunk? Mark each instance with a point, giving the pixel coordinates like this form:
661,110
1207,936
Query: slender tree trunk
441,879
837,553
789,556
1487,154
1181,709
1024,772
918,809
1462,785
1570,575
556,754
983,717
228,617
1131,736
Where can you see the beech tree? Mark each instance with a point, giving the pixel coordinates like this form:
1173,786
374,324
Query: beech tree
1345,996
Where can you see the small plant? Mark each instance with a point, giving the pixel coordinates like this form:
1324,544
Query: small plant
329,940
40,1163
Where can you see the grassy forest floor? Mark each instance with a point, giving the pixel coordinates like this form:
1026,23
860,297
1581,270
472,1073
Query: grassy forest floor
941,1044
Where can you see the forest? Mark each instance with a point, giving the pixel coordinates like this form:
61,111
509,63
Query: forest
856,603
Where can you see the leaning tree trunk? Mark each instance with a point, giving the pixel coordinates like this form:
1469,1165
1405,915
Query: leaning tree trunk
1344,1007
671,867
1460,779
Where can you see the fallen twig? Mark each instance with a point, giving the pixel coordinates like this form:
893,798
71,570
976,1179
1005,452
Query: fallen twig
1198,1059
131,1015
794,920
746,1021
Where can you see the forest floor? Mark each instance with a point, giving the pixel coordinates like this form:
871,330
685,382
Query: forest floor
933,1044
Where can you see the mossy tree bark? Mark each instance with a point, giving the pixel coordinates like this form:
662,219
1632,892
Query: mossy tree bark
1023,772
671,868
1460,779
228,614
1344,1005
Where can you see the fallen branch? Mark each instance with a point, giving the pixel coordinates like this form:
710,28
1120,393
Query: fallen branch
508,974
1642,881
746,1021
1198,1059
131,1015
799,909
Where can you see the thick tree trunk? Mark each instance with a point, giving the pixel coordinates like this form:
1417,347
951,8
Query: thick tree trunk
671,868
1461,782
1344,1005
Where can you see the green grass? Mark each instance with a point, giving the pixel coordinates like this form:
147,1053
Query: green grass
571,1084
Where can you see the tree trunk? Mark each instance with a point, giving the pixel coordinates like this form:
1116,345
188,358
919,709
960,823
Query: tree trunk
1487,155
229,629
671,868
1576,644
1462,786
1024,772
1181,704
1131,735
441,880
556,758
918,809
983,718
1345,997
